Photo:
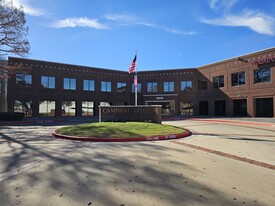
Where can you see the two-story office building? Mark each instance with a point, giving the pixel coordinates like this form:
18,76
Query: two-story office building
240,86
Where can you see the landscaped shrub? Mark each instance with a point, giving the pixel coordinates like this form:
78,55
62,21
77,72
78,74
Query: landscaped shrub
11,116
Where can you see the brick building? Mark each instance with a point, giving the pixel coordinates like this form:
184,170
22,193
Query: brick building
241,86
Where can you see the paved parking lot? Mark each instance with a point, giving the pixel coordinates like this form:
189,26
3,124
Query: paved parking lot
203,169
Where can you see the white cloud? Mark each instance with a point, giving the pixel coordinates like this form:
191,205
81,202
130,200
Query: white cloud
79,22
28,9
147,24
176,31
224,5
133,20
121,17
168,29
256,21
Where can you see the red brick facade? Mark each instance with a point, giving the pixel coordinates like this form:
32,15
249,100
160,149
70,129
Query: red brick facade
180,91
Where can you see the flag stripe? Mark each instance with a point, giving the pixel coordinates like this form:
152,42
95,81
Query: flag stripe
133,65
135,80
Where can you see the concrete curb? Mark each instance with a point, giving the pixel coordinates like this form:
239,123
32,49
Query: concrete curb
31,122
135,139
43,121
235,122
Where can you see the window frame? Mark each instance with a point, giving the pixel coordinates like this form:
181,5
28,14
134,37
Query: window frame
87,108
238,83
186,86
219,83
71,83
90,85
152,87
24,106
106,86
48,82
262,77
23,82
69,108
121,87
168,86
49,104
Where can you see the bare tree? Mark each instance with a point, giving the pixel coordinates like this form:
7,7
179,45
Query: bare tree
13,33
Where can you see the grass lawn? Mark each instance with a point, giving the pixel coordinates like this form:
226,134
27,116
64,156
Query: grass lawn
119,130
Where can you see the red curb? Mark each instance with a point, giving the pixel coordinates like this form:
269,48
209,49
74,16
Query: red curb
235,122
135,139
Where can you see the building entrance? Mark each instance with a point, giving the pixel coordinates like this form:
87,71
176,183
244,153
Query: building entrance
220,108
240,107
264,107
167,107
203,107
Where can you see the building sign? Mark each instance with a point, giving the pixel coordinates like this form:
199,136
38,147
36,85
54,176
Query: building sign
141,113
263,60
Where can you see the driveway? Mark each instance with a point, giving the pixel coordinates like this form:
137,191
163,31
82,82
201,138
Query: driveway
203,169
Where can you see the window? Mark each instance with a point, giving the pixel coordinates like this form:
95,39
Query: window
218,81
138,87
186,86
168,86
202,85
186,108
262,75
48,82
23,106
68,108
23,80
69,84
106,86
88,85
87,108
152,87
238,79
121,87
47,108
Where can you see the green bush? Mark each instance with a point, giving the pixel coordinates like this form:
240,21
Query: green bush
11,116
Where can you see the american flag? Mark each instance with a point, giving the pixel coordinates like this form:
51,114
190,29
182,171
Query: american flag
133,65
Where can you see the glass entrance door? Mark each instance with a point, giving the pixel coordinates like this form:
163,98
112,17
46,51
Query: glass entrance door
167,107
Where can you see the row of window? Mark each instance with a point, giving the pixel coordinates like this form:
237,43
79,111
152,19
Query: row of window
48,108
260,75
47,82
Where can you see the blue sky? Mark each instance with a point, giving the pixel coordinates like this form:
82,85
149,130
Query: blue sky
167,34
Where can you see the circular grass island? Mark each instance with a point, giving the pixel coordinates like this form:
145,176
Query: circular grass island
120,132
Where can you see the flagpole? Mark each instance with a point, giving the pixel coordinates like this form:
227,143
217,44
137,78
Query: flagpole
136,86
133,69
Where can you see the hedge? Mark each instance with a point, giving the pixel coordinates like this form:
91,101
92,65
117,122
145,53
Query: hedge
11,116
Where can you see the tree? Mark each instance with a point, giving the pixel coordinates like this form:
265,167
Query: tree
13,33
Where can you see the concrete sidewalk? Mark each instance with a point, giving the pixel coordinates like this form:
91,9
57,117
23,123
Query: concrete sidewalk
251,140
